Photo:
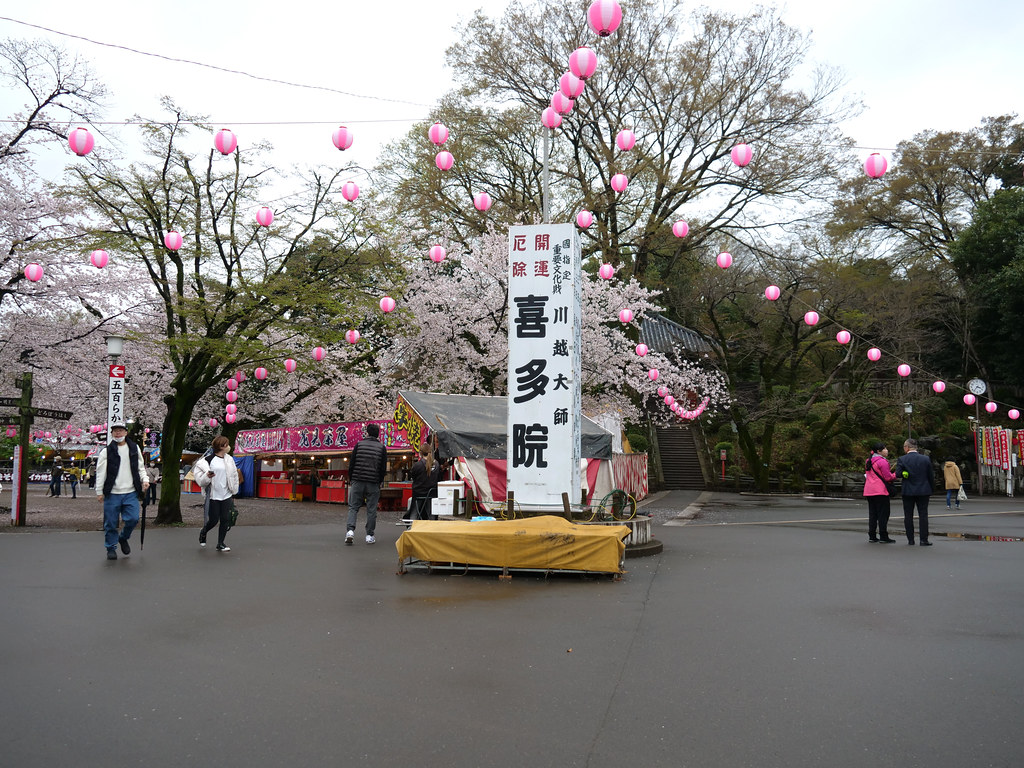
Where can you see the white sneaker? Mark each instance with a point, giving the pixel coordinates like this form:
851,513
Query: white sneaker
349,536
370,540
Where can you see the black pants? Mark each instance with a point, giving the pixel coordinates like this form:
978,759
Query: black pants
921,502
878,516
220,514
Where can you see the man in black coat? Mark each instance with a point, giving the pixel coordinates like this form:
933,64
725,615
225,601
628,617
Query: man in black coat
366,469
916,470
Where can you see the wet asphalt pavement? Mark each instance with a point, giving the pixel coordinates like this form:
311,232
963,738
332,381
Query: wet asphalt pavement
769,632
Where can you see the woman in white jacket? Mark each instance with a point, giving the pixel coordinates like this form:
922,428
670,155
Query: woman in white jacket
220,475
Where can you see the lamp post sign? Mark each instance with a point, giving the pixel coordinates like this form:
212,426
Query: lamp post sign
115,398
544,363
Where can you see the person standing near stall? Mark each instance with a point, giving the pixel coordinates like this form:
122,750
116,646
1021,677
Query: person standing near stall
425,474
367,468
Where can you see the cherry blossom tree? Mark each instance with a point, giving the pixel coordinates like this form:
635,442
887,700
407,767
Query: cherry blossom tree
236,295
458,341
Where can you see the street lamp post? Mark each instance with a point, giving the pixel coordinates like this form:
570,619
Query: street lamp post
115,384
908,409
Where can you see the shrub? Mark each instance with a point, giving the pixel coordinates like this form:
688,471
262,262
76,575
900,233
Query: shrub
639,443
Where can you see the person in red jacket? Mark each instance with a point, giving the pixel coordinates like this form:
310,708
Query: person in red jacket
877,473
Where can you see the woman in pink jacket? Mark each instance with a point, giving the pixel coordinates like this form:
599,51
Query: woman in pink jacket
876,474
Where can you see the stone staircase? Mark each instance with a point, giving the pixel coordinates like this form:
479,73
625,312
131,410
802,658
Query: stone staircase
680,463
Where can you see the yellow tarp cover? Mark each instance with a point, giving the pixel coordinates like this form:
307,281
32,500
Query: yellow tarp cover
537,542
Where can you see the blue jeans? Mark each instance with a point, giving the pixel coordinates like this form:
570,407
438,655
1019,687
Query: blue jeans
119,506
952,495
358,492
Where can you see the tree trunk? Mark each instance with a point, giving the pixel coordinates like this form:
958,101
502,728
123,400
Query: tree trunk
179,410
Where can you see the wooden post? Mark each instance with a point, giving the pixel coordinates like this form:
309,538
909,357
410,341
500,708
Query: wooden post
565,506
510,504
455,502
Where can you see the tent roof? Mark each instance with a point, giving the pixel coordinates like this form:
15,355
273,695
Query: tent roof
476,426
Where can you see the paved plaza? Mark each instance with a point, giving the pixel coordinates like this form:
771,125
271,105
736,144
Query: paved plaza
769,632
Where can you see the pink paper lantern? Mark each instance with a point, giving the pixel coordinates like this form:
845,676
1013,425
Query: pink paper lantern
352,336
571,85
811,317
1013,413
989,406
444,160
607,271
232,384
225,141
742,154
48,435
641,350
231,396
561,103
939,387
662,391
12,432
387,304
724,260
482,201
289,365
625,140
619,182
229,418
653,374
264,217
438,134
350,190
772,292
903,370
874,354
99,259
80,141
875,166
261,374
230,408
550,119
604,16
669,400
318,353
843,337
437,253
584,219
342,138
626,315
213,422
583,63
33,273
173,240
680,229
240,376
191,424
970,399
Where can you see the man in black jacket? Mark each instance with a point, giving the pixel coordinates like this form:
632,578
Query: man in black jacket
916,470
366,470
121,482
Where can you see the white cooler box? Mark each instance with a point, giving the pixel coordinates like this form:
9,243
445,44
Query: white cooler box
442,505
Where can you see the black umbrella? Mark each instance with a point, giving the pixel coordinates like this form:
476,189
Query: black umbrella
142,528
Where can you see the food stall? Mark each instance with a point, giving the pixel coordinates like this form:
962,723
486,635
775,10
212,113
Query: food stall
286,458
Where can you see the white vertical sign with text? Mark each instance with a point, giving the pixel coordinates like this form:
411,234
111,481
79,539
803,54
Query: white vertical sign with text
544,399
115,398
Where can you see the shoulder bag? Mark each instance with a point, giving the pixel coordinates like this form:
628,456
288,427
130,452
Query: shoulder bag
890,486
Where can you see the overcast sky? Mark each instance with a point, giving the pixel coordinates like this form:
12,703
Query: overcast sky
942,64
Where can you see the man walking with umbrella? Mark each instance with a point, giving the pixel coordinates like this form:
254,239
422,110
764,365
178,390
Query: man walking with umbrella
120,483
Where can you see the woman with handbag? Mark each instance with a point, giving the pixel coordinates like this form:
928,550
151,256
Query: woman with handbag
951,474
878,487
219,473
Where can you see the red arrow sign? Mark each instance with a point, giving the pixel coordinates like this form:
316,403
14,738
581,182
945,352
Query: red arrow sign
117,371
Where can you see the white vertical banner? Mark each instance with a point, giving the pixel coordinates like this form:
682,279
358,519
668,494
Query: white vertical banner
544,362
16,485
115,398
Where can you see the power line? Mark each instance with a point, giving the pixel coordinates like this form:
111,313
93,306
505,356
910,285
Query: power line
211,66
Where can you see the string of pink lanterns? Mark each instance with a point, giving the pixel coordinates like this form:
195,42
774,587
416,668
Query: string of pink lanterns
874,354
